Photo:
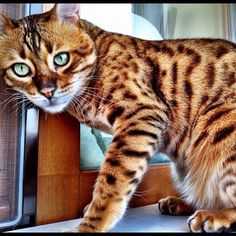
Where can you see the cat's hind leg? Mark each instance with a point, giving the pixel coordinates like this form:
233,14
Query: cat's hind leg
212,163
213,221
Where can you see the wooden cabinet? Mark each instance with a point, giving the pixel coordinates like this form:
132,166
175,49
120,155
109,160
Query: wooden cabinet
63,190
58,169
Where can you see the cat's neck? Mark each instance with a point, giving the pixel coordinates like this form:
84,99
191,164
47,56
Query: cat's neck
93,30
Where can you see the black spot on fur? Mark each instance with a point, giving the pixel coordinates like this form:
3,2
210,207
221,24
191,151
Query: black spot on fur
100,208
217,116
212,107
230,79
231,158
113,162
138,132
136,153
95,218
204,99
220,52
114,114
129,95
223,134
121,143
130,173
202,136
188,89
89,225
111,179
133,113
134,181
22,53
180,48
210,74
48,47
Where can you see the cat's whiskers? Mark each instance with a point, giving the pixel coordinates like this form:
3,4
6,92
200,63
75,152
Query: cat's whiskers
77,106
84,105
11,99
23,100
12,95
86,109
8,91
140,196
147,192
20,107
95,95
86,100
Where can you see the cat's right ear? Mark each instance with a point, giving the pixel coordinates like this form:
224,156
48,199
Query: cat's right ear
66,13
5,24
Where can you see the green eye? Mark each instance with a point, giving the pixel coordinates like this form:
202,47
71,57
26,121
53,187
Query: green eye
21,69
61,59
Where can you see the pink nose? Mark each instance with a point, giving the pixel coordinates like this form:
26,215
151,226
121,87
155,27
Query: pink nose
47,92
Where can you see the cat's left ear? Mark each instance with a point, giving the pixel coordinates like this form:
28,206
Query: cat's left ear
5,24
66,13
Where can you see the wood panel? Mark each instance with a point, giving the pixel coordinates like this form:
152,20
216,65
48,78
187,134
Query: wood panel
59,198
155,185
58,168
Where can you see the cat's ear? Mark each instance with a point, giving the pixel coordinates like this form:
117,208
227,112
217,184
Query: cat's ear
66,13
5,24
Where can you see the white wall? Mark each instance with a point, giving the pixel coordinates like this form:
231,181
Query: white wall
119,18
111,17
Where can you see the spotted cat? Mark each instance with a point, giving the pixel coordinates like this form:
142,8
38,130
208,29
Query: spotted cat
175,96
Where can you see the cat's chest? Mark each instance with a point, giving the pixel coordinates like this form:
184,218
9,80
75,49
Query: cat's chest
91,114
99,121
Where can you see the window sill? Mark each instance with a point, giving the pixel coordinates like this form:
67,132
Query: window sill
140,219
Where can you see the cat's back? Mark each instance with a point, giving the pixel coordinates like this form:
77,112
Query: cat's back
203,62
190,70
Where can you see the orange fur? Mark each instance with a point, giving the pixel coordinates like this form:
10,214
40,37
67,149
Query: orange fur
174,96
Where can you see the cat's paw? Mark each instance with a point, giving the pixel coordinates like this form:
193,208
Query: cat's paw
174,206
209,221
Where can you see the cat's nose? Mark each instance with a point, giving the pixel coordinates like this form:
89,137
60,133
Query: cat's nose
48,92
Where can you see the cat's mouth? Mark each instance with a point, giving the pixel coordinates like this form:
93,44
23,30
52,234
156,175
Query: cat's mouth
54,105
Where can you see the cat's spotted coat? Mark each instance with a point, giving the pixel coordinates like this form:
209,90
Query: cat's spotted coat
175,96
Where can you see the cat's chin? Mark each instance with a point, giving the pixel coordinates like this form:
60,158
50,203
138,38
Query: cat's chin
55,108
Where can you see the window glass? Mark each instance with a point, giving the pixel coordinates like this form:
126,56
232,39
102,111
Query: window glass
195,20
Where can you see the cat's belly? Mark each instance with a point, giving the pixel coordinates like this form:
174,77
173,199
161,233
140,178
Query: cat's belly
199,192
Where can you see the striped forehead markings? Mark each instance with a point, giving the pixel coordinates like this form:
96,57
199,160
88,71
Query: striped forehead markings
32,37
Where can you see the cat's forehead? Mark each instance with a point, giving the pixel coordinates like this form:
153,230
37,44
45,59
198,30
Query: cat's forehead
31,34
39,32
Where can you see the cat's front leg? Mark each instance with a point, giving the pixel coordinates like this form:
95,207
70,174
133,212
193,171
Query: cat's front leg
125,163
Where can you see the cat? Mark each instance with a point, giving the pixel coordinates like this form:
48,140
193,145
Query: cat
176,96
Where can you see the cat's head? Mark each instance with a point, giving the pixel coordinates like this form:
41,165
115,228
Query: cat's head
47,57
